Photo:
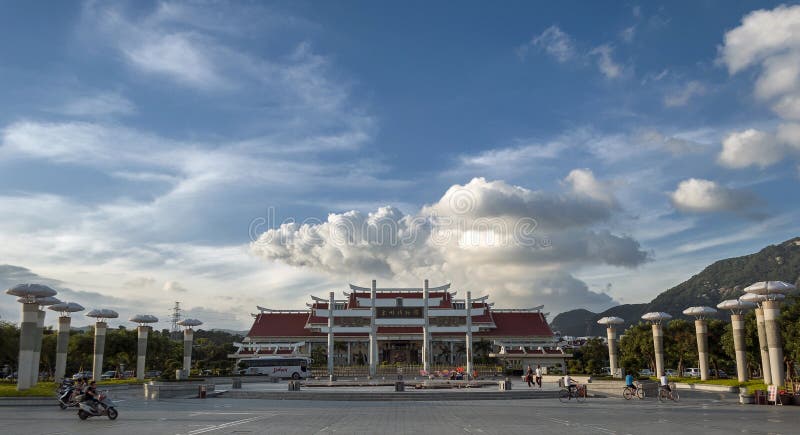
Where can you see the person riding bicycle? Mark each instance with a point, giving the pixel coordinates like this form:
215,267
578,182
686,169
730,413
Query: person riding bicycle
569,385
665,383
629,382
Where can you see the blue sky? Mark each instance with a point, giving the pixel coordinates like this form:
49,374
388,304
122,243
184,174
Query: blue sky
141,142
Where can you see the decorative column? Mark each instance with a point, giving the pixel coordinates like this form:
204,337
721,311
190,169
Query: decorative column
468,305
766,370
27,344
426,340
188,337
736,308
373,332
331,307
656,318
100,326
141,345
99,348
701,330
64,309
772,327
61,347
611,337
773,292
37,347
30,296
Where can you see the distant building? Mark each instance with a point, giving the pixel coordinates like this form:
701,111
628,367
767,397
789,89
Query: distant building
398,326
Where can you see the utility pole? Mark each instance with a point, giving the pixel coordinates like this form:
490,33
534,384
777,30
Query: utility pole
174,318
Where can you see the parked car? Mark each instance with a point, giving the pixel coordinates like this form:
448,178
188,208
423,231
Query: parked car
127,374
82,375
691,372
111,374
671,372
719,375
645,372
152,373
12,376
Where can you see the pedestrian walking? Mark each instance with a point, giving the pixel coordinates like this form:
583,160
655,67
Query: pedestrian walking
539,375
529,376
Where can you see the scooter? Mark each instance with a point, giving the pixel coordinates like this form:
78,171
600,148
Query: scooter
67,395
105,406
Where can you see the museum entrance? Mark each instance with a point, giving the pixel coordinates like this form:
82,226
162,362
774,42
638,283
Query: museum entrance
403,352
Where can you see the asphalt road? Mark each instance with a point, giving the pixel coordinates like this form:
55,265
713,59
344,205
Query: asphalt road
699,414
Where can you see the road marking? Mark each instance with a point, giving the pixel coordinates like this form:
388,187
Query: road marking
227,425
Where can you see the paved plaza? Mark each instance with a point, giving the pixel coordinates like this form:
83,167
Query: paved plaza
696,413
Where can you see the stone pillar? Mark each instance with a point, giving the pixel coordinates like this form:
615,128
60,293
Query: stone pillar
188,337
141,354
701,330
766,370
37,347
331,307
373,334
349,355
27,337
611,337
737,321
658,346
772,327
99,347
61,347
426,339
469,333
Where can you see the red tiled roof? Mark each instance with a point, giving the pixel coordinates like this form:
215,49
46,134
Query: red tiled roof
281,325
518,325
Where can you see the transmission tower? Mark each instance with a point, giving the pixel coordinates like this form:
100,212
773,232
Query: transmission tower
175,317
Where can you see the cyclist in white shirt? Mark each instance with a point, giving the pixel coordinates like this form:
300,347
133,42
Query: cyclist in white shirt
665,383
568,384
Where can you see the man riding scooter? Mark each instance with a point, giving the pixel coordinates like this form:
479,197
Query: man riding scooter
91,395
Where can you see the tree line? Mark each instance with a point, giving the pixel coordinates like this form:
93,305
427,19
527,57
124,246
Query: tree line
680,346
164,351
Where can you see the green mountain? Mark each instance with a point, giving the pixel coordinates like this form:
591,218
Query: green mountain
722,280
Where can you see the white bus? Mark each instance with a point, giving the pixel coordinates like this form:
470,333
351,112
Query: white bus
278,366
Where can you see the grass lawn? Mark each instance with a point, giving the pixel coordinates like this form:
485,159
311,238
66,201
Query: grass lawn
47,389
42,389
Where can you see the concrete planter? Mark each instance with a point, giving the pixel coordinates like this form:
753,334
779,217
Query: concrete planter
164,390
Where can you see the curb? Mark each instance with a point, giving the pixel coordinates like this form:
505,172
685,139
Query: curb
28,401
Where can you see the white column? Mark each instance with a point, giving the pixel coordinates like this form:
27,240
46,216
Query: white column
701,330
373,334
766,370
658,345
426,340
452,356
469,333
27,337
61,347
611,336
141,354
99,347
772,313
37,347
737,320
331,307
188,337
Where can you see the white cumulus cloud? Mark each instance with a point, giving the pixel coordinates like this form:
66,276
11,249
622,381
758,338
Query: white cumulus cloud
750,147
517,243
704,196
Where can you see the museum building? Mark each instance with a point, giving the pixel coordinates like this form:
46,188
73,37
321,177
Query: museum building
429,326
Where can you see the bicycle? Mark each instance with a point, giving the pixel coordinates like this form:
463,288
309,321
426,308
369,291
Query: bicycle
664,395
566,394
629,392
